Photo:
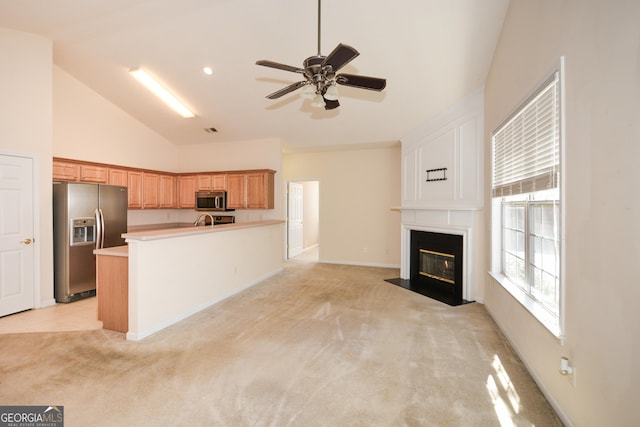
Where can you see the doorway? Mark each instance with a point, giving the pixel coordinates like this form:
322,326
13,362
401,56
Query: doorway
303,213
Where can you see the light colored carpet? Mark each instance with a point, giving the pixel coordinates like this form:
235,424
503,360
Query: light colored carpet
317,345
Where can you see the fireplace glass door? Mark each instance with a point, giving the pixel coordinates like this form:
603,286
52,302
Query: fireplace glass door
438,265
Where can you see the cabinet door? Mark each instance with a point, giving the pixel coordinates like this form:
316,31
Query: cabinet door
134,184
167,191
150,190
187,191
64,171
219,182
91,173
236,191
260,190
204,182
118,177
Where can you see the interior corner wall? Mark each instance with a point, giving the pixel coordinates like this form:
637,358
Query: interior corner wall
25,130
600,202
358,188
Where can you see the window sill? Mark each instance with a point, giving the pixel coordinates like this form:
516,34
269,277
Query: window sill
543,316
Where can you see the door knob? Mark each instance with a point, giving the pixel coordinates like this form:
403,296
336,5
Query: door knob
26,241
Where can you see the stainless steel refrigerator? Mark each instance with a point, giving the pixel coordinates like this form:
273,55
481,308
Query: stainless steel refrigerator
85,217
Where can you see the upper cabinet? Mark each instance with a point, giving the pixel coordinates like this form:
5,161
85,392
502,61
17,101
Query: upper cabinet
260,190
250,189
167,193
91,173
187,185
118,177
134,185
65,171
236,191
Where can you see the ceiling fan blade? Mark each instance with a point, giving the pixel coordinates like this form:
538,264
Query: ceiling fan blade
362,82
279,66
330,104
286,90
341,56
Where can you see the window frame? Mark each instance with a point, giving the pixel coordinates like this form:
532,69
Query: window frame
553,323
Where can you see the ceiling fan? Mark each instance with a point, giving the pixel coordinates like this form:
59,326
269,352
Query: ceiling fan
320,76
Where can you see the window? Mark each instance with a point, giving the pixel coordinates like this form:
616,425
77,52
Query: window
527,203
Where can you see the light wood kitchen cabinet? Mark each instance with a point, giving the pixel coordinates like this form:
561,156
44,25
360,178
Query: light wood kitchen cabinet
150,190
212,182
167,197
260,190
91,173
118,177
65,171
219,181
236,191
187,185
112,288
251,190
204,182
134,185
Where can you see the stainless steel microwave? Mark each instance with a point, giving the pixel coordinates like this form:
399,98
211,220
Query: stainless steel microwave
211,201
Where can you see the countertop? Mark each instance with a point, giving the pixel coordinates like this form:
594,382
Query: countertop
165,233
122,251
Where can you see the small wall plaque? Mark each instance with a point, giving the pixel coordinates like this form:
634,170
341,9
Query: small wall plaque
437,174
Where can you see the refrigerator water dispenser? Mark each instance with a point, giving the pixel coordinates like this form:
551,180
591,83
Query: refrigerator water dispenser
83,231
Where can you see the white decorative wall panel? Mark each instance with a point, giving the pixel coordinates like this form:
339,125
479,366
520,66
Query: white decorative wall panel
449,146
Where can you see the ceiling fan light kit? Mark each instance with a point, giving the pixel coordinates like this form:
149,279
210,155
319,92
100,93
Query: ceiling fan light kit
320,75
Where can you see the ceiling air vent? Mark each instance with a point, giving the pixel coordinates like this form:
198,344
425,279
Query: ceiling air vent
211,130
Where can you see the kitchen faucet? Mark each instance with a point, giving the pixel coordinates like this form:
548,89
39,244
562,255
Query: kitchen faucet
197,221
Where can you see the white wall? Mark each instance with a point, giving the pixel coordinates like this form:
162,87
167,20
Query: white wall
88,127
600,41
357,190
25,129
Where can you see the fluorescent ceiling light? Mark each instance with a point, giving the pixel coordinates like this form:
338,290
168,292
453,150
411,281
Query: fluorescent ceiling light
161,92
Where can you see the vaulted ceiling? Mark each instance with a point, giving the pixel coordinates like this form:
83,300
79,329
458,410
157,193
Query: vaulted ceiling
432,53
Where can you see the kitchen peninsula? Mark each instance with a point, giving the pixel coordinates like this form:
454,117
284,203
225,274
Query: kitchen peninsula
174,273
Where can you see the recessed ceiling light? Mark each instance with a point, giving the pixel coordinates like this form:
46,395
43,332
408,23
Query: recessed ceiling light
208,71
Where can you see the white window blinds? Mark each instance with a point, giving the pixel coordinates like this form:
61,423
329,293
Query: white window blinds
526,147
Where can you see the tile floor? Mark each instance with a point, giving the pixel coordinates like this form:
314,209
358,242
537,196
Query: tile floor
80,315
76,316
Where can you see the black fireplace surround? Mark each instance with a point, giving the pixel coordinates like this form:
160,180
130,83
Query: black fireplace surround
435,267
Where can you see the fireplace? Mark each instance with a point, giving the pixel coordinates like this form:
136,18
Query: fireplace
436,264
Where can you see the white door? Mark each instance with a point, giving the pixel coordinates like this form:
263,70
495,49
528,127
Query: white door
16,234
294,222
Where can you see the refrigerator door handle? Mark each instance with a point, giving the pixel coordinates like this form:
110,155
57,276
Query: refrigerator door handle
99,231
102,228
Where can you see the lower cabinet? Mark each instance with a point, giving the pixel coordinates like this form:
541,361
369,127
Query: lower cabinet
112,291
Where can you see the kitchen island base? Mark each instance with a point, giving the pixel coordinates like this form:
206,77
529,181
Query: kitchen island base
175,273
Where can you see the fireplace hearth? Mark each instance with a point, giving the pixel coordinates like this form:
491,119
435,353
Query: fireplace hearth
435,267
